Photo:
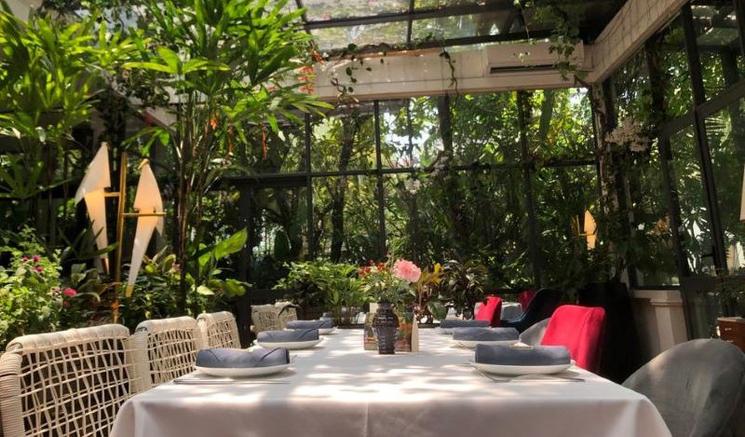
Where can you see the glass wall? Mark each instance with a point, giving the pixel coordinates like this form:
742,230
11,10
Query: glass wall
725,136
432,179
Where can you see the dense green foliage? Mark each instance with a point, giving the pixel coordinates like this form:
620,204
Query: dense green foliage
488,190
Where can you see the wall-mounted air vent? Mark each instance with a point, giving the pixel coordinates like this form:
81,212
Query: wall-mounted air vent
523,58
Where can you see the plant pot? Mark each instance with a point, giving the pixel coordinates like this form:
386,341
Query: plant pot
385,325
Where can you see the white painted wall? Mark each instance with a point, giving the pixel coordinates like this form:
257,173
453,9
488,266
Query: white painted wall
660,320
428,73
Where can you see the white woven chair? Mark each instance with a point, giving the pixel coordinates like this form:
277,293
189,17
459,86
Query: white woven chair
285,313
271,317
68,383
172,346
219,329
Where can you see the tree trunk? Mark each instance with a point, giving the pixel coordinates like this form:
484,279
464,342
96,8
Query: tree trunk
348,133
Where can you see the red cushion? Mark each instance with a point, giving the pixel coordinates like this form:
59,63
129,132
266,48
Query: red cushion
525,297
491,310
580,329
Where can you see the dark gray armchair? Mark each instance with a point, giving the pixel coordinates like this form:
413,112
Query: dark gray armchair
534,334
698,387
542,305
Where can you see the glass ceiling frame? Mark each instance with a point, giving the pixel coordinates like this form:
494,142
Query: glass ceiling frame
514,17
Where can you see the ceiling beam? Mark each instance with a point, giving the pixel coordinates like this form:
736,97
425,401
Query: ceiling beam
404,16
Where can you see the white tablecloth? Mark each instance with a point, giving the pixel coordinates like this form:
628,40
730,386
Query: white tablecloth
338,389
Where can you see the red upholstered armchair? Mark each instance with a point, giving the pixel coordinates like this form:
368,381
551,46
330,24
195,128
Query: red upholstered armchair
580,329
491,310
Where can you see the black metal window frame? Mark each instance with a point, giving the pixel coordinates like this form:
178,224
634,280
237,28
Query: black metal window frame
411,14
701,108
304,179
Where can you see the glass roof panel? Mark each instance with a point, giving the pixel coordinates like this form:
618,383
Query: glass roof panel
337,24
460,26
392,33
318,10
433,4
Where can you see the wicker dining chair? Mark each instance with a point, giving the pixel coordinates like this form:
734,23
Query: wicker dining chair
69,383
219,329
286,312
172,346
272,317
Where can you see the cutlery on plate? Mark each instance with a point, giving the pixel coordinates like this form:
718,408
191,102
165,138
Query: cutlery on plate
525,378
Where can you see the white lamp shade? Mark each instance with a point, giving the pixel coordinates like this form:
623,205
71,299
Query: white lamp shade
591,229
147,200
95,203
93,190
97,176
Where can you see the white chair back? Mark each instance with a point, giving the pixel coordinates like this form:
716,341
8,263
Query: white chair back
219,329
271,317
171,346
68,383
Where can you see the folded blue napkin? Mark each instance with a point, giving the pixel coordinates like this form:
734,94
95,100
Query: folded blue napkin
311,324
485,334
223,358
522,356
459,323
292,335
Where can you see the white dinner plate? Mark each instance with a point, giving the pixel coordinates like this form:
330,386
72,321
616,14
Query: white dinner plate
243,372
522,370
291,345
471,344
326,331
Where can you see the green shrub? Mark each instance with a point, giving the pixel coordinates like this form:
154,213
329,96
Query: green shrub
324,284
31,297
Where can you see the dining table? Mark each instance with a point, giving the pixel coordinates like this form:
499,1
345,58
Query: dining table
338,388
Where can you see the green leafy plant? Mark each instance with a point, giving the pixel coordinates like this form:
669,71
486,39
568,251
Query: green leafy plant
332,286
731,291
231,65
50,72
82,291
463,284
207,279
429,303
31,298
155,292
382,285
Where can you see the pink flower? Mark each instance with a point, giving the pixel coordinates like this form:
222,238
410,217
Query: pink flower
406,270
36,258
70,292
39,269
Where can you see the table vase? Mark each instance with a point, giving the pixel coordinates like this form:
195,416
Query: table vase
385,324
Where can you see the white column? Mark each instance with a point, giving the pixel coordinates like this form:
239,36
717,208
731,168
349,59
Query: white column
662,318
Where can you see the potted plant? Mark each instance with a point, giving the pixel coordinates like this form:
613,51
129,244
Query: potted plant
392,289
429,302
463,284
322,286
